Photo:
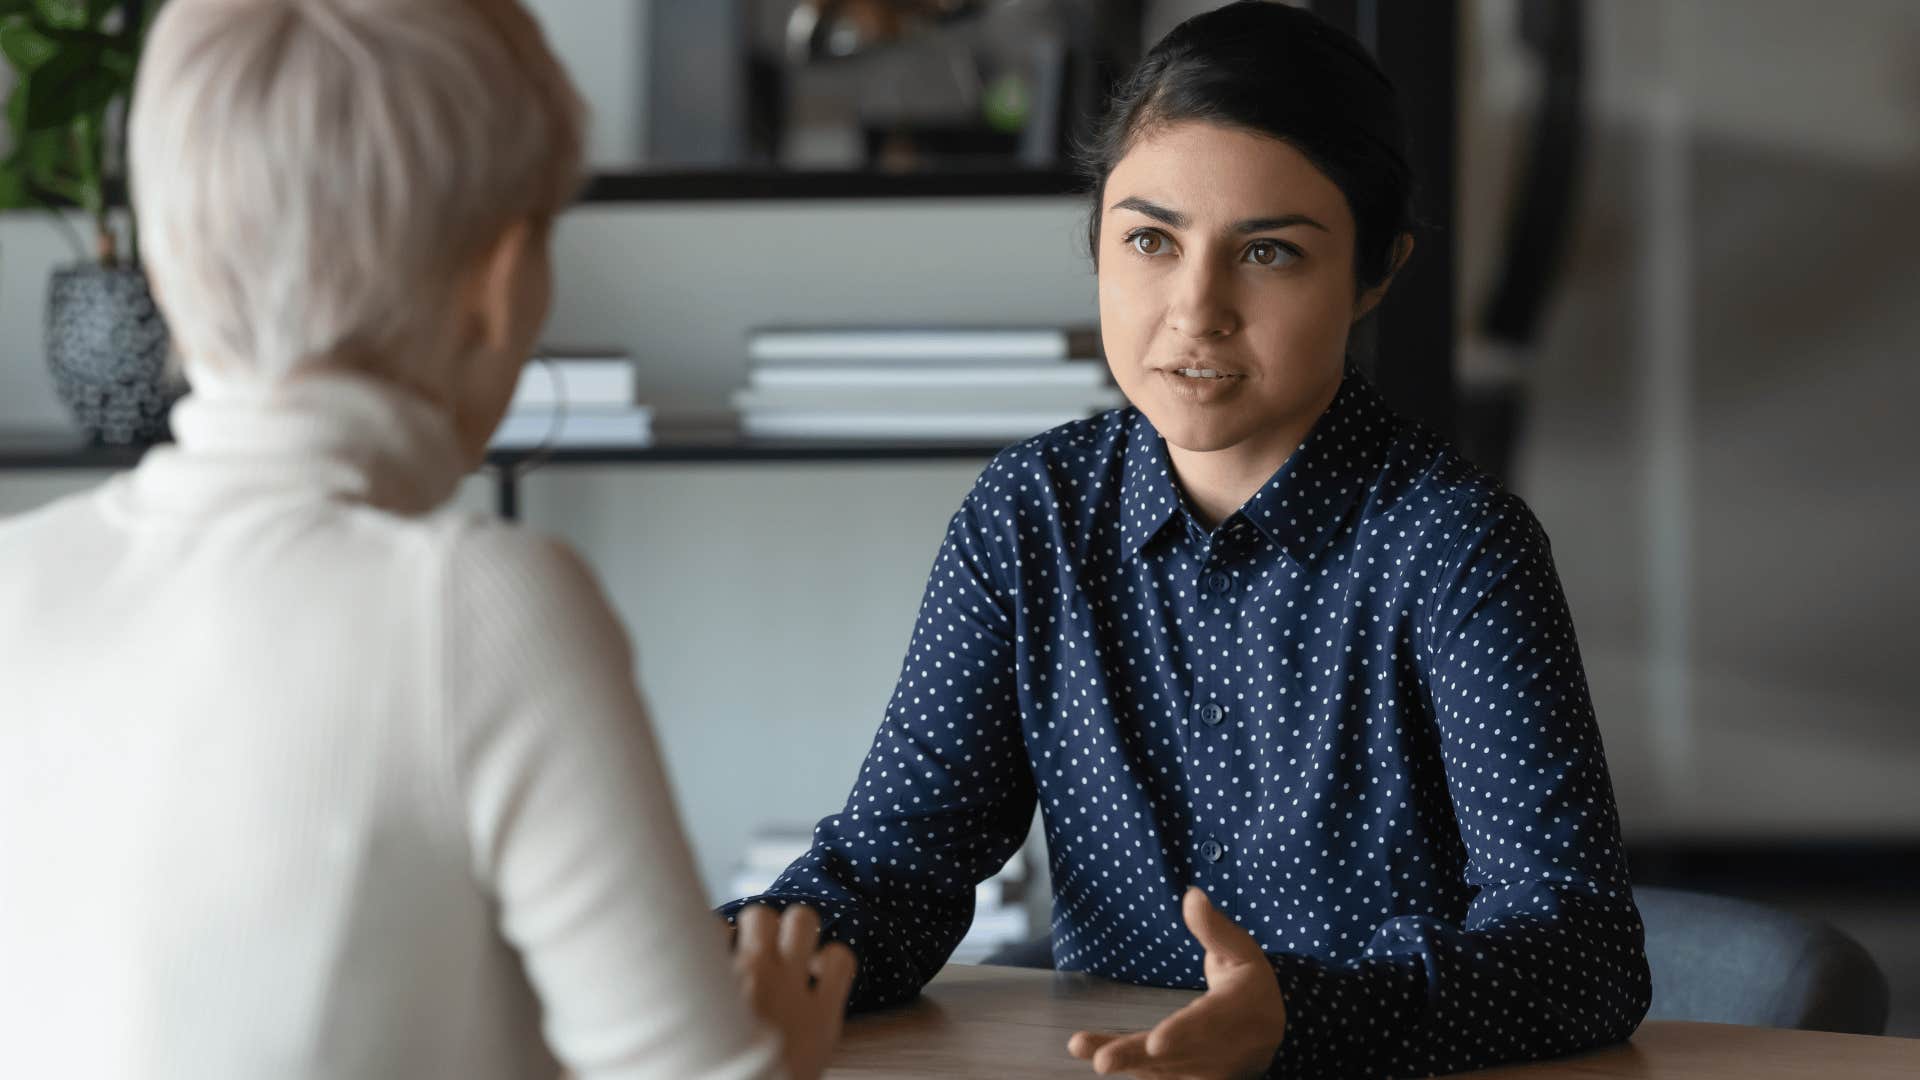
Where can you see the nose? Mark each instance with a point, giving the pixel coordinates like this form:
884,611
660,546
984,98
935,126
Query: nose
1202,303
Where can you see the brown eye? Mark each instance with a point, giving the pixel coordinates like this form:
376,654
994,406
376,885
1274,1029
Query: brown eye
1147,243
1268,253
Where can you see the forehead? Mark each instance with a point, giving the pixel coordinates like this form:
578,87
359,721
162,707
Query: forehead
1218,175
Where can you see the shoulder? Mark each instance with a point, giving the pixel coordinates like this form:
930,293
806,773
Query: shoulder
1057,473
497,568
1427,485
52,523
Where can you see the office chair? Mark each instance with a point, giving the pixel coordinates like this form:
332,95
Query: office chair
1728,961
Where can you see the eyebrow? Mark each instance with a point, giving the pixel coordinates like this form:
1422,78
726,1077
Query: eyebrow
1170,216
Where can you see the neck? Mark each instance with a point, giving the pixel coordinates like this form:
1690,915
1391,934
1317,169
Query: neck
1219,482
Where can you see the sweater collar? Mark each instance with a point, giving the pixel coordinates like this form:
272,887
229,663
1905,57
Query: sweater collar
332,435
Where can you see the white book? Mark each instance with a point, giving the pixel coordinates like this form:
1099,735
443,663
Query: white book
925,345
1003,425
956,377
1059,399
628,427
579,382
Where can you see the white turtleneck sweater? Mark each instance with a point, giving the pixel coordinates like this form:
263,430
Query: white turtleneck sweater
304,775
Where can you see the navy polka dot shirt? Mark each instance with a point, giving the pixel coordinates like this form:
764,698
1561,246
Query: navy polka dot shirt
1354,713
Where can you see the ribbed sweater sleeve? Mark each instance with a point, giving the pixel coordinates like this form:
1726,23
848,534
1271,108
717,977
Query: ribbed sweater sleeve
552,764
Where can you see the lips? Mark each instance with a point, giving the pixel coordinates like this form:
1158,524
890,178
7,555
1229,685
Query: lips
1199,389
1198,372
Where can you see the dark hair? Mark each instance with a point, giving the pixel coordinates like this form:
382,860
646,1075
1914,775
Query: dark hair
1279,71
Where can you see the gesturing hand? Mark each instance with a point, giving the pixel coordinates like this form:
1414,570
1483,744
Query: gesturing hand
792,984
1231,1031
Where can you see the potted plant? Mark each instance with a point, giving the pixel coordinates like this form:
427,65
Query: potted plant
74,64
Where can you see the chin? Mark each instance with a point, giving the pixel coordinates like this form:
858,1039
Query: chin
1196,432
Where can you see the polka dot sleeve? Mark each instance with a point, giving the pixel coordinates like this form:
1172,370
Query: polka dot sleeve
1549,958
945,796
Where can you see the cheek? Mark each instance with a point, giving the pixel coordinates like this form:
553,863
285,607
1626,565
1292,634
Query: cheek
1128,315
1305,320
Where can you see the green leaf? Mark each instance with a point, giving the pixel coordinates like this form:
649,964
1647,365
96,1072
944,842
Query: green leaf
17,110
44,156
64,14
14,193
26,46
68,87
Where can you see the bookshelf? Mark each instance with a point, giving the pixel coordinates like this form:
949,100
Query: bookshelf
62,451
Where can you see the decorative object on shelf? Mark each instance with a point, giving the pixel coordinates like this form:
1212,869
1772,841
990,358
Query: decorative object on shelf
802,98
106,342
107,347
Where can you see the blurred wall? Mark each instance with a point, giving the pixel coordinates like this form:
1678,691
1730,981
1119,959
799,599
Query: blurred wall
604,45
1720,441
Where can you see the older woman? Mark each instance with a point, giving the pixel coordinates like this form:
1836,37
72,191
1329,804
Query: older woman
302,772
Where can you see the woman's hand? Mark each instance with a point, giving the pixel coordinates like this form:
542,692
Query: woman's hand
1231,1031
792,983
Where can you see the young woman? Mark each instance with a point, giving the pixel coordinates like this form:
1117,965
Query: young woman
1294,686
302,772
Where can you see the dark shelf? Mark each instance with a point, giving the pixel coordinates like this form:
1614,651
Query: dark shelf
1880,865
741,450
22,451
774,184
707,186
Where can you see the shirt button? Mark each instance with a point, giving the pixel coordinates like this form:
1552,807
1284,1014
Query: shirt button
1218,582
1213,850
1212,714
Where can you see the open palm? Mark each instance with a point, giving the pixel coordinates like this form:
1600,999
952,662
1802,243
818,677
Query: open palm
1231,1031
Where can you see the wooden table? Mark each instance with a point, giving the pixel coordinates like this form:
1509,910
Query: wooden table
1013,1023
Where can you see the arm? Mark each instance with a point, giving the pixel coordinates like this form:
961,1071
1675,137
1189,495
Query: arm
558,784
1550,957
945,795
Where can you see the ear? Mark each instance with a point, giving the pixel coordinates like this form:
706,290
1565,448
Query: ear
495,282
1364,304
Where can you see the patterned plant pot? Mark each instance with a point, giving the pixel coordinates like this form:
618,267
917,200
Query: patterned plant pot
107,347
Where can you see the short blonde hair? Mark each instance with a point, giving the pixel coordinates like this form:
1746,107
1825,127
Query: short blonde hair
315,177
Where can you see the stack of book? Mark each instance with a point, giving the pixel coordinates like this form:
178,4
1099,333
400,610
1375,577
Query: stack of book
928,384
1000,915
574,398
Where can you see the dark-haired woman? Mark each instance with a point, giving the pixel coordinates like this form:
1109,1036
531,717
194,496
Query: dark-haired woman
1294,686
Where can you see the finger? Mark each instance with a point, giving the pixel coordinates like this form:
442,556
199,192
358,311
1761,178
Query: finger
758,929
1122,1054
1182,1034
1085,1044
833,968
799,938
1214,931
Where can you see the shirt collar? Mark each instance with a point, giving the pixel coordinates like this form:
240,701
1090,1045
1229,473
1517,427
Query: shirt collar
1306,501
1148,495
